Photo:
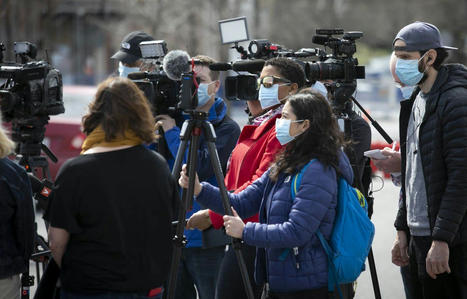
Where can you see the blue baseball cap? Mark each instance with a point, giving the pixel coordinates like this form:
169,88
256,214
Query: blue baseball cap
420,36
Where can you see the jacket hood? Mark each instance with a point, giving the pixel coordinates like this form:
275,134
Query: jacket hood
453,75
218,111
345,169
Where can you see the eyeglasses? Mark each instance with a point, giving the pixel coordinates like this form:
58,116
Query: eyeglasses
269,81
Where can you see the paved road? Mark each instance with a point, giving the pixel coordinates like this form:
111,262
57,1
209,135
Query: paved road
385,207
384,213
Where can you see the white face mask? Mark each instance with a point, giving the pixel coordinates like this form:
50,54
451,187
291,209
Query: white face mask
123,71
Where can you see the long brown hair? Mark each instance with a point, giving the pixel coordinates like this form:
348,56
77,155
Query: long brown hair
322,140
6,144
119,105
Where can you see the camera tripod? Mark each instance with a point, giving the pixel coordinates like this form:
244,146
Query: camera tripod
191,131
28,133
344,115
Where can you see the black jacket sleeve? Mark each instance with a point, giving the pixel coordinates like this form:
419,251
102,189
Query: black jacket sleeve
227,133
453,206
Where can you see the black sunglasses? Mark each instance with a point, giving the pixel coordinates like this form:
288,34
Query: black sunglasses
269,81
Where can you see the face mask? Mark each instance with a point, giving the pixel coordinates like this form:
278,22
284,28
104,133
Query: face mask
203,95
407,71
406,91
123,71
269,97
320,88
283,130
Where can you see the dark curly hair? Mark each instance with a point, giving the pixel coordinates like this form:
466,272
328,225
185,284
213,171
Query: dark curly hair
120,105
322,140
289,69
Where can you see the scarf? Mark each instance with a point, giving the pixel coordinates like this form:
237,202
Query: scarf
97,138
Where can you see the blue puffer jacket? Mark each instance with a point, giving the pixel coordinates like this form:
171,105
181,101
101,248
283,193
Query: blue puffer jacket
285,224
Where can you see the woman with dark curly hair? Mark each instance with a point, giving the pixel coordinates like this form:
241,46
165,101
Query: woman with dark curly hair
290,259
111,208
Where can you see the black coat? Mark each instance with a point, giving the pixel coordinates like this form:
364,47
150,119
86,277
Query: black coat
443,150
16,219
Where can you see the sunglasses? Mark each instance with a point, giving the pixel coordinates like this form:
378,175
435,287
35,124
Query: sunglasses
269,81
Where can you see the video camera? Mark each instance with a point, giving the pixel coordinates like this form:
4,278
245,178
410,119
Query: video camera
159,89
339,66
30,92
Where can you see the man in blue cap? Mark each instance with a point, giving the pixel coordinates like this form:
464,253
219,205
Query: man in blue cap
432,219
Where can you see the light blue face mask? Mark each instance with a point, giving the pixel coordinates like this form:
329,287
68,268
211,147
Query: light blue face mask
318,86
283,130
269,97
123,71
203,95
407,71
406,91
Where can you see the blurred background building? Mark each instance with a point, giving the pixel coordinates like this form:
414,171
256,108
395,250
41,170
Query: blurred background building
81,35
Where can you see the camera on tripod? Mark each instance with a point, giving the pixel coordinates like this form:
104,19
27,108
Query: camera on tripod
339,66
159,89
30,92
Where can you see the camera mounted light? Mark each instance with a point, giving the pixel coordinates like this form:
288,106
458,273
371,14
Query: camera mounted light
233,30
153,49
260,48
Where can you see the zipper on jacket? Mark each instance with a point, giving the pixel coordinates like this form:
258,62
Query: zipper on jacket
295,256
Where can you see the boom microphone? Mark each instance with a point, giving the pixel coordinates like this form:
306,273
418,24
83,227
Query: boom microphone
175,63
251,66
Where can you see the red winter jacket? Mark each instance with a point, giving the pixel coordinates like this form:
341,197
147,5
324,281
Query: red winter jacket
255,151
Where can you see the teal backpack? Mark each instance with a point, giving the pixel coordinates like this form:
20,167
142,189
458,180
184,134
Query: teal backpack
351,236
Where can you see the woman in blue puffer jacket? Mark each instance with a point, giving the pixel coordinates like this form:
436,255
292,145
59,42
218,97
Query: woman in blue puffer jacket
289,257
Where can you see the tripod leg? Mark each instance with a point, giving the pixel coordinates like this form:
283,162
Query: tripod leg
187,197
236,243
178,240
374,275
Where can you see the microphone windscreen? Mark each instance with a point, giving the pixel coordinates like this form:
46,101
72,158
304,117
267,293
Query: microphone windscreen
220,66
251,66
175,63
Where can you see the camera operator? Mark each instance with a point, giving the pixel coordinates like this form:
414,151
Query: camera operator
203,254
129,56
16,221
111,208
255,151
430,224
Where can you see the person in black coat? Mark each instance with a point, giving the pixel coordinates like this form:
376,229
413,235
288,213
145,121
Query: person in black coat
16,221
431,222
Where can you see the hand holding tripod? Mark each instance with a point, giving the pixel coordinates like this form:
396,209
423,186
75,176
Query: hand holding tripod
190,133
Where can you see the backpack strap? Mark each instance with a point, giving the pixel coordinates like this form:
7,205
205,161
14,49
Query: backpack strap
297,179
331,266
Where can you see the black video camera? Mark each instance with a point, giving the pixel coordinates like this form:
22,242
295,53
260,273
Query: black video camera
30,88
340,66
30,92
160,90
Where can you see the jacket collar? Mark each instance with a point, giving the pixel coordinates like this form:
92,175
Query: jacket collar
217,112
265,127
